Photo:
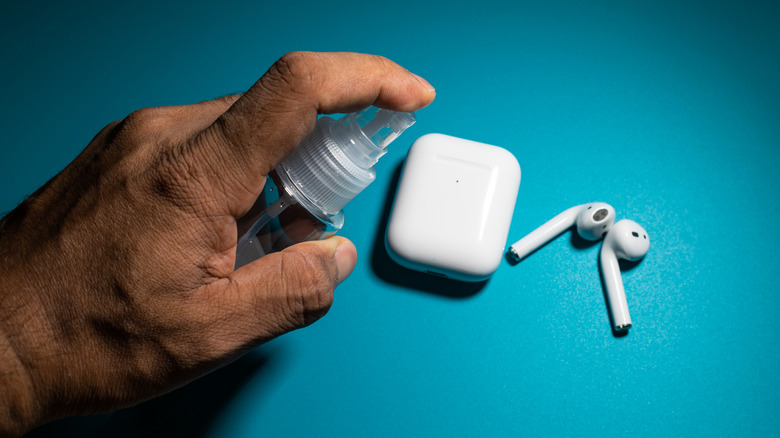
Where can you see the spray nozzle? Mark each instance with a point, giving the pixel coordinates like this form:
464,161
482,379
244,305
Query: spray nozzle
370,131
383,126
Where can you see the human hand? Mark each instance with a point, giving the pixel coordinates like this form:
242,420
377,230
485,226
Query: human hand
116,277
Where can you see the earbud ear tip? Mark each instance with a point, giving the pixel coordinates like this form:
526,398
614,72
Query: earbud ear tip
594,220
629,240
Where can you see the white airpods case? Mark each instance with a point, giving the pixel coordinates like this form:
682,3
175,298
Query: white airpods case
453,207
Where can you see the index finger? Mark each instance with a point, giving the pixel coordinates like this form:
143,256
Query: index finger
280,109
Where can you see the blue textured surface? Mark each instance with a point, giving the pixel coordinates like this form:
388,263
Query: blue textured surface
667,110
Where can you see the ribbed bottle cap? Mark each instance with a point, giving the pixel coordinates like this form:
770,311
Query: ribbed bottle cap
336,161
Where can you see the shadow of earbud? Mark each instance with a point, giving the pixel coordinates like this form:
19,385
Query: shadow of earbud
578,242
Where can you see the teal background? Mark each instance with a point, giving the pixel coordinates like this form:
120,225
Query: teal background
668,110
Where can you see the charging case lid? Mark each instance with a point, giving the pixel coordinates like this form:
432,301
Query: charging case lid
453,207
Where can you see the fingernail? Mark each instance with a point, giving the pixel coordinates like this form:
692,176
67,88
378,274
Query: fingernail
424,82
346,258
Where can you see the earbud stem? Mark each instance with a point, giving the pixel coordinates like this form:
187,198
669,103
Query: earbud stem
545,233
616,294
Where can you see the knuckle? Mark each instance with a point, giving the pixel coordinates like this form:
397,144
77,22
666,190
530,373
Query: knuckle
296,64
384,62
295,71
145,122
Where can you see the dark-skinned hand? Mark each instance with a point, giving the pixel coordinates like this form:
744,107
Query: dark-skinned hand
116,277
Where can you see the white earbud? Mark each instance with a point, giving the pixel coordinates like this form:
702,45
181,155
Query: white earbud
593,221
626,240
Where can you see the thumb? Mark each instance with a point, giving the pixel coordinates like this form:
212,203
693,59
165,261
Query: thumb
286,290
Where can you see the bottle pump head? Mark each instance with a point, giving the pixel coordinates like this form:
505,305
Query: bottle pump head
336,161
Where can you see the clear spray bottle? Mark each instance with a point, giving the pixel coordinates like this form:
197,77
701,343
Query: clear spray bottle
304,195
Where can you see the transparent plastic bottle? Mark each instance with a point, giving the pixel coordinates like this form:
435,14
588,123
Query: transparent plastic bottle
304,195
